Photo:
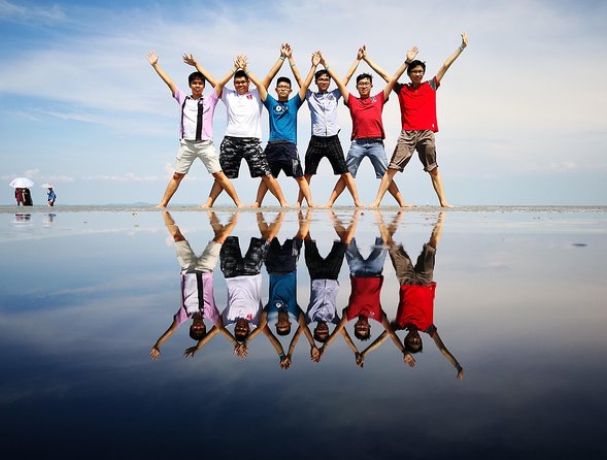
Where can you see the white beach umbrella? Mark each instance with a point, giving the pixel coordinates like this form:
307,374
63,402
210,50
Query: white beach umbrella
21,182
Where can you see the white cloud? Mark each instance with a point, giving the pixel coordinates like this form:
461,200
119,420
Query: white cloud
37,13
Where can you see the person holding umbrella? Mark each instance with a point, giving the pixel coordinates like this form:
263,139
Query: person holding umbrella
19,196
22,193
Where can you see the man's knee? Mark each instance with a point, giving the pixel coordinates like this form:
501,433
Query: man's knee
434,171
178,176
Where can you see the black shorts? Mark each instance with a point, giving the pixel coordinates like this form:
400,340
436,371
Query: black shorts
329,147
283,258
234,149
231,260
328,267
282,156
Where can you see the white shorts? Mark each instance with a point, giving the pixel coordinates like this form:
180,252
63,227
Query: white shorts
190,150
190,262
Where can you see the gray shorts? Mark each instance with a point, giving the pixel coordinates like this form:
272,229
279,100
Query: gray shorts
422,141
423,271
190,150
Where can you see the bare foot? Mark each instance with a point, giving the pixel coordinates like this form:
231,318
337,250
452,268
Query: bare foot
328,205
161,206
446,205
206,206
359,205
406,205
254,205
374,205
240,205
285,205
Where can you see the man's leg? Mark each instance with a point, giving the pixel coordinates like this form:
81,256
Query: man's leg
275,189
261,193
304,190
395,192
226,184
437,183
385,183
171,189
215,191
351,186
300,196
355,156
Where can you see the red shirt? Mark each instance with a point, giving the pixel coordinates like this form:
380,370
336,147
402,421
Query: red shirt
418,106
366,116
416,306
364,298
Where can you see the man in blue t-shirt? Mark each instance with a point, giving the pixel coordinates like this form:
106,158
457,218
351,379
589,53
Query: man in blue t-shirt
281,150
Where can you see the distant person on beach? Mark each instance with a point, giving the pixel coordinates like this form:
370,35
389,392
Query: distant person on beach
419,122
19,196
27,197
196,130
243,134
51,196
367,125
324,142
197,291
281,150
416,295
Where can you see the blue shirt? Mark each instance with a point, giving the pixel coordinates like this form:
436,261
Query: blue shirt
283,295
283,118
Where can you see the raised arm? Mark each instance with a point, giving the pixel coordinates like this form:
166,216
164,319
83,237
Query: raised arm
338,82
303,87
261,88
191,351
189,59
451,59
153,60
378,70
284,49
239,63
390,86
359,56
155,351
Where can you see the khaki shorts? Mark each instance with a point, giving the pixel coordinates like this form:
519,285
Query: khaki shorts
190,150
422,141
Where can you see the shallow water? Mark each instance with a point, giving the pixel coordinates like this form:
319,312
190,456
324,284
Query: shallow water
519,304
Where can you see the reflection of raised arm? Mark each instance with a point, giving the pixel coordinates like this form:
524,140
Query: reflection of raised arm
336,331
190,352
447,354
340,84
189,59
273,341
155,351
239,63
451,59
153,60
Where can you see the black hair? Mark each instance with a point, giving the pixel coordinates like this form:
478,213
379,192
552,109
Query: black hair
362,76
283,80
198,334
196,76
285,331
240,73
320,73
414,64
364,335
410,347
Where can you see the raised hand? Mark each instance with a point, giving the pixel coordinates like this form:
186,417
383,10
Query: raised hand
360,359
464,40
189,60
155,352
190,352
152,58
411,54
409,359
315,59
314,353
362,53
460,374
285,362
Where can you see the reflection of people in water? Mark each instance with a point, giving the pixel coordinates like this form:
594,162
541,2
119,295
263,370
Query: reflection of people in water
366,278
282,307
416,301
197,299
243,280
324,284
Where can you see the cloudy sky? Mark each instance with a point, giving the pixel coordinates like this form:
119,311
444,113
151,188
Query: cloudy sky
522,113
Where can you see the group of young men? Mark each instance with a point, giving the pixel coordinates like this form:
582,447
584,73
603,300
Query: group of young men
242,138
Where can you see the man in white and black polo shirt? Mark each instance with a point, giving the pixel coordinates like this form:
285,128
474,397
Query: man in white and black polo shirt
196,132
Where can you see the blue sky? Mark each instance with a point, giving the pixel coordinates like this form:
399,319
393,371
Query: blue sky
522,113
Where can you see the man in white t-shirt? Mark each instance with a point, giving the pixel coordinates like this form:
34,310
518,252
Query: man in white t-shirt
195,133
243,134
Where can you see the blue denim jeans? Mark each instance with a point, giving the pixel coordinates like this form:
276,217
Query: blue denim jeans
372,265
372,148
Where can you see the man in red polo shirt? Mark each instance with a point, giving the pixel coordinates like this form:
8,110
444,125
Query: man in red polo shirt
418,115
367,126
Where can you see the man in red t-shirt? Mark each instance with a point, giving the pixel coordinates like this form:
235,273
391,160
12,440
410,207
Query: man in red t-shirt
418,115
367,126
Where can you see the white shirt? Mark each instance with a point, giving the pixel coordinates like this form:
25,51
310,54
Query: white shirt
323,301
244,113
244,299
323,110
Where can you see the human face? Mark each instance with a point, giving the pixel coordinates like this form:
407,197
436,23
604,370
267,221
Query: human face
197,87
362,326
241,85
323,83
283,89
364,87
241,328
416,74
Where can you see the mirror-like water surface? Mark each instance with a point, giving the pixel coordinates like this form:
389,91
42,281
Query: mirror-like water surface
418,334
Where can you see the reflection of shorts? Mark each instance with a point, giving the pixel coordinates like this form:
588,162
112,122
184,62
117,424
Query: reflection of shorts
190,150
373,265
422,141
232,262
329,147
327,268
283,156
283,258
190,262
234,149
372,148
406,273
